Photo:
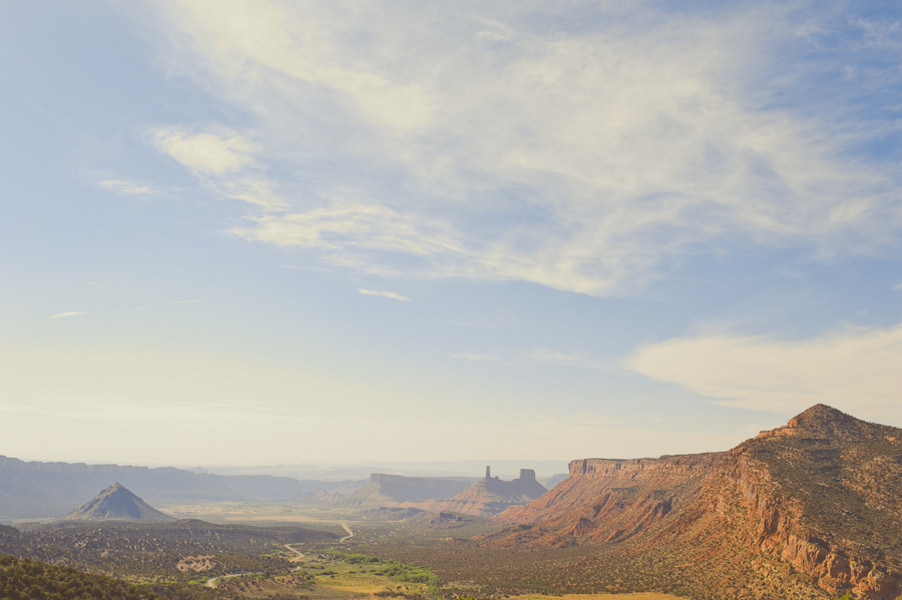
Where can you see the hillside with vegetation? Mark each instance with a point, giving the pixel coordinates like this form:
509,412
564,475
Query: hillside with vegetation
23,579
808,510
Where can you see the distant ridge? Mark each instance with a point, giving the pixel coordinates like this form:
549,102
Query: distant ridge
119,504
40,490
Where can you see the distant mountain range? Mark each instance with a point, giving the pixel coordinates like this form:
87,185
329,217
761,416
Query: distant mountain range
808,508
48,490
39,490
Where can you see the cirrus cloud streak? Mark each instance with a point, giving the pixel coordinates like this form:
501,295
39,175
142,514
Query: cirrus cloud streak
586,161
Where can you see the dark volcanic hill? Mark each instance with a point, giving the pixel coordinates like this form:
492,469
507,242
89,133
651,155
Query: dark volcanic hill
808,508
116,503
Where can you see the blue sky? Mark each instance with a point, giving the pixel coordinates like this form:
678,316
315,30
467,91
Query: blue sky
241,233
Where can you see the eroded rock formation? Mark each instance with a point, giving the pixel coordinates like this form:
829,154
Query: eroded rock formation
491,495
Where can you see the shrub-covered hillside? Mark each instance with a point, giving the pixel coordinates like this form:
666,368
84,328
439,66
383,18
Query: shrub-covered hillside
22,579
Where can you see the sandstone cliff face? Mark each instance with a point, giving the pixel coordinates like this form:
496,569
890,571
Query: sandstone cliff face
820,494
618,497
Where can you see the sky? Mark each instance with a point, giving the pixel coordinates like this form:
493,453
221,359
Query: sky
258,233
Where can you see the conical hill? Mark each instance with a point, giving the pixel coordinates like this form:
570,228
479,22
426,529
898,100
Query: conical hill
117,503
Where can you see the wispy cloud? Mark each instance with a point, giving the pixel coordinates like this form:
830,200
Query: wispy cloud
884,34
582,160
205,153
855,368
556,357
391,295
224,161
545,356
63,315
122,186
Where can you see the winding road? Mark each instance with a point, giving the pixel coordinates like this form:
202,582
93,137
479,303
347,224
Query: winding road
211,583
350,533
298,555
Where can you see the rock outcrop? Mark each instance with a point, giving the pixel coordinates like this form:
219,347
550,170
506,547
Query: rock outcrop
490,495
821,496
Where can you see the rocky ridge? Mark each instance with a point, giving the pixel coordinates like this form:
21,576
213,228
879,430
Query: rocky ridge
821,496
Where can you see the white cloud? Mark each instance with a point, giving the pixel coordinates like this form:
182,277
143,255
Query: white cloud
286,44
854,369
391,295
350,232
224,162
63,315
897,287
580,160
122,186
205,153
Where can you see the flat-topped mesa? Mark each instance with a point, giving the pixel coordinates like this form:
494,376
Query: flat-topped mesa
607,467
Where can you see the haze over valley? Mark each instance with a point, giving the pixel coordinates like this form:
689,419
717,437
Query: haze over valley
327,300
